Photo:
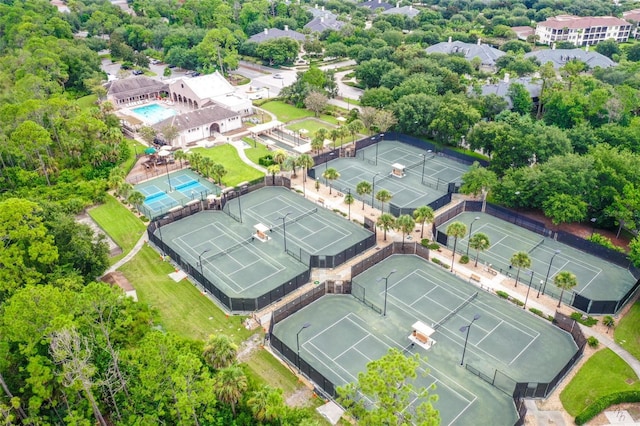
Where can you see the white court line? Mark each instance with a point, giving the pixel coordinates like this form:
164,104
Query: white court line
489,332
522,351
589,283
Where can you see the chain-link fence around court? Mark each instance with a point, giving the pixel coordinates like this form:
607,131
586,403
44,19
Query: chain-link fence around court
589,301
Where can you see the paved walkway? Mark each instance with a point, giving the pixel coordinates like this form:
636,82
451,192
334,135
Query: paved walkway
129,256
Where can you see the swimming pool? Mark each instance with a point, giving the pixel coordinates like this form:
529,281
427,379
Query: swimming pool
154,113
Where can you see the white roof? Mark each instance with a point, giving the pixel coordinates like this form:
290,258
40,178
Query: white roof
261,227
423,328
209,85
398,166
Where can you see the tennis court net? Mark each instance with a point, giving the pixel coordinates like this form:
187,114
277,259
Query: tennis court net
295,219
421,162
228,250
455,311
536,246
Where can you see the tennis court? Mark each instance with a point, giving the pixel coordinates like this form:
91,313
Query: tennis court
302,223
174,189
597,278
423,178
238,260
344,335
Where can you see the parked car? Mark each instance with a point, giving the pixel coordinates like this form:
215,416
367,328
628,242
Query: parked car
278,76
137,72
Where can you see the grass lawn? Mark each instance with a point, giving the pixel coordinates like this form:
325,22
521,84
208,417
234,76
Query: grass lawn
117,221
602,374
254,154
88,101
237,170
181,307
311,125
627,333
285,112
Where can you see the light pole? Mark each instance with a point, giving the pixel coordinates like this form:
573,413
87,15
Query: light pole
305,325
471,233
284,229
467,328
386,282
424,160
373,138
373,188
328,156
548,271
166,163
239,191
200,260
528,290
593,225
349,205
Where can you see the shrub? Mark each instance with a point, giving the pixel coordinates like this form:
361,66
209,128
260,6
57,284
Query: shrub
603,403
502,294
425,242
604,241
593,342
464,259
266,161
436,261
538,312
517,302
434,246
589,321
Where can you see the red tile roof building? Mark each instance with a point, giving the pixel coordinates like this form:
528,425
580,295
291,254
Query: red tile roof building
582,31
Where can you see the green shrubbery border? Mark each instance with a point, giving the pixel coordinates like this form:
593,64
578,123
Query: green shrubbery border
605,402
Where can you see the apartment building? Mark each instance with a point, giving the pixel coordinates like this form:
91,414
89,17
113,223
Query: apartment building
582,31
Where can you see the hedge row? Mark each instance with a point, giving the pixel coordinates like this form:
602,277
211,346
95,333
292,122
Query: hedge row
605,402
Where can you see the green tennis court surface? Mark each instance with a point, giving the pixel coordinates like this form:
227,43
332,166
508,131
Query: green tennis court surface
172,190
597,278
230,254
426,175
345,335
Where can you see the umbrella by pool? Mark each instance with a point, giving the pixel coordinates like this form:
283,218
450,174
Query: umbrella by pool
150,150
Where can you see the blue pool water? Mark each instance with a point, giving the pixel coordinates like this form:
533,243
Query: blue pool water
154,113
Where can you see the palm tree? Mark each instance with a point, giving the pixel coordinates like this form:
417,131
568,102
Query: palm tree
206,166
456,230
279,156
330,174
342,133
608,322
136,198
421,215
564,280
386,221
291,163
363,188
348,200
218,171
273,169
195,159
180,155
383,196
266,404
520,260
479,242
406,225
124,190
219,352
317,143
354,128
230,384
334,134
305,161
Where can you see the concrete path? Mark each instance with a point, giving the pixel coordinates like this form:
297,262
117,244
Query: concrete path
129,256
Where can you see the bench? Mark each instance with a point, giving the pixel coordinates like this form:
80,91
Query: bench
475,277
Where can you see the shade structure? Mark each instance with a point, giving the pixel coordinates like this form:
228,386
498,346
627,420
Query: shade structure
150,150
164,153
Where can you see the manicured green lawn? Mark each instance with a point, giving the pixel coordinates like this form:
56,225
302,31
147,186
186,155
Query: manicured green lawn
87,101
311,125
181,307
237,170
254,154
627,332
117,221
604,373
286,112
